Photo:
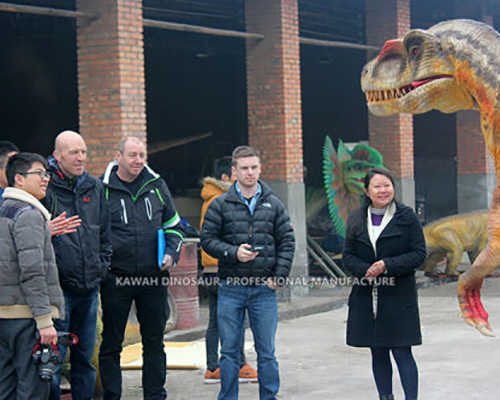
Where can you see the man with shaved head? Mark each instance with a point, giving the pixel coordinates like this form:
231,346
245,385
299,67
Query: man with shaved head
82,256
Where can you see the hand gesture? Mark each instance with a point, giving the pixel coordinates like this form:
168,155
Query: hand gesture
62,225
244,254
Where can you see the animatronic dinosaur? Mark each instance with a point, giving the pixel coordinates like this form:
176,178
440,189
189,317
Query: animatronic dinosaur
454,65
343,174
450,236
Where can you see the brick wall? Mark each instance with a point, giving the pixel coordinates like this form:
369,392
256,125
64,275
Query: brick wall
273,80
393,135
111,83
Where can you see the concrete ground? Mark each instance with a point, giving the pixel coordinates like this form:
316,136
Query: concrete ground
455,361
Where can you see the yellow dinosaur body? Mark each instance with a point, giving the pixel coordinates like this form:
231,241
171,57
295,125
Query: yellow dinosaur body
450,237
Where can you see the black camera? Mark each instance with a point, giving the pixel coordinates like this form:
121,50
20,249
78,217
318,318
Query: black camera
47,355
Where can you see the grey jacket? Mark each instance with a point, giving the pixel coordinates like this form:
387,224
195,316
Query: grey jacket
29,283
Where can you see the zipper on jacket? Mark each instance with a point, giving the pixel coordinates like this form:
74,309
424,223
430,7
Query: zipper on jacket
124,214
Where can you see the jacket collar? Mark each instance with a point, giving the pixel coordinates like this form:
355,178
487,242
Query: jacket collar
59,178
110,178
21,195
374,234
232,195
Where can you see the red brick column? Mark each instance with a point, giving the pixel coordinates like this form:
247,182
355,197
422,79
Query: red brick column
475,170
393,135
273,78
111,83
274,107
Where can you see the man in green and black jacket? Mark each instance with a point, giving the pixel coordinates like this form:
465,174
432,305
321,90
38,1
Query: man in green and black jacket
140,204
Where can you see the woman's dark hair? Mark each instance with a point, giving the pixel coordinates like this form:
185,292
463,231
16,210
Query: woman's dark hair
21,163
370,174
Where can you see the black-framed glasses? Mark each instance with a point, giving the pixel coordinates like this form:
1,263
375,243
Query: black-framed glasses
41,174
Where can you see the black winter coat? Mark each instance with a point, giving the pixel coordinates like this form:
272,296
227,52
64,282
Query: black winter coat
135,221
228,224
402,247
82,257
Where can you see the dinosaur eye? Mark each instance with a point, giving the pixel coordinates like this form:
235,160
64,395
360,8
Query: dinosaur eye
415,51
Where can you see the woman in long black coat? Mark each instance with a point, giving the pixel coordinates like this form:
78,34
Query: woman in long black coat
384,246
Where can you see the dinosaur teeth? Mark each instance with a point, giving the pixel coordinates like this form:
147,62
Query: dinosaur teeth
388,94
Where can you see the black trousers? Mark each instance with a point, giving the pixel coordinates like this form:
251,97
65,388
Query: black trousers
382,370
19,379
151,304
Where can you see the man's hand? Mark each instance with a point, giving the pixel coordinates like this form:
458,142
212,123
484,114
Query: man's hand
244,254
271,283
375,269
62,225
168,261
48,335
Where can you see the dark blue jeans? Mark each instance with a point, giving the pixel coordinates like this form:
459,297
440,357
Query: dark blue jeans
19,377
212,334
261,305
80,319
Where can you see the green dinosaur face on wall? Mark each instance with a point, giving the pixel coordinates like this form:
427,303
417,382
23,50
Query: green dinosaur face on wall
343,173
422,71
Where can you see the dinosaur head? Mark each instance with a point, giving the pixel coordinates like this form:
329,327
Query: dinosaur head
414,75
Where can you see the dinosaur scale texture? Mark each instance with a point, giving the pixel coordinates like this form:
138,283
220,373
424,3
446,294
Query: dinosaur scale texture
454,65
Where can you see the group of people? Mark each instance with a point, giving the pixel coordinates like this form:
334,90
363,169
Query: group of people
54,268
67,236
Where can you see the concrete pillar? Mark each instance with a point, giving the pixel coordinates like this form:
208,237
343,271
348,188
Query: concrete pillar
275,113
476,178
393,135
111,88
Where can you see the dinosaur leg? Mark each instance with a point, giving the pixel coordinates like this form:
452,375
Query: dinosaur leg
470,282
454,259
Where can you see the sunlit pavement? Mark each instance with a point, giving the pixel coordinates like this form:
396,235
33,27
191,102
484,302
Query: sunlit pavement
455,361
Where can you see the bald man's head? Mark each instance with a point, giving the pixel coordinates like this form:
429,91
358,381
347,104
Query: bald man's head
71,153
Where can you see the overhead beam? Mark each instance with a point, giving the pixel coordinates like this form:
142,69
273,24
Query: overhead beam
54,12
57,12
200,29
331,43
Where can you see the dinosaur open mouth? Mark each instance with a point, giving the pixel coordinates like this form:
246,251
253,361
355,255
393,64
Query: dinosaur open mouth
391,94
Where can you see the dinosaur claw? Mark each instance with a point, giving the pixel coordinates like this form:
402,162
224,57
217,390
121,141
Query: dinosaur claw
485,329
472,310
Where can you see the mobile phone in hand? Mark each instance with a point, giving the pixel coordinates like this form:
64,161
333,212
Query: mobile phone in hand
256,248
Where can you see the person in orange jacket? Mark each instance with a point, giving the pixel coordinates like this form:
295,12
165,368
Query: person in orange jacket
213,187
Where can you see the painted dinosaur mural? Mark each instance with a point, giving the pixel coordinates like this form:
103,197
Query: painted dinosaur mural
343,174
454,65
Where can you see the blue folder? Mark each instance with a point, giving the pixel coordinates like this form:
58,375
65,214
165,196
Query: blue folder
161,246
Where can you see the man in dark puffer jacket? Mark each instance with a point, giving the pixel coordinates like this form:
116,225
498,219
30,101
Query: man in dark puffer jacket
248,230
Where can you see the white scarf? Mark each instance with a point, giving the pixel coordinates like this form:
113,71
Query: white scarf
375,231
19,194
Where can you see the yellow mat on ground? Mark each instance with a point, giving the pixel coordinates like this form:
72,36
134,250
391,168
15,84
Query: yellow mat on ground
180,355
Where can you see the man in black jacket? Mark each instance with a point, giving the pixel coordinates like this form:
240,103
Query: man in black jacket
82,257
140,205
248,230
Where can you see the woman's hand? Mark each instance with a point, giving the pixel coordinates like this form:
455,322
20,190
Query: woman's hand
375,269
